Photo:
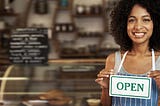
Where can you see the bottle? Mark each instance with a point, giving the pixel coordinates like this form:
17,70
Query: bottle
64,3
1,6
70,27
2,24
41,6
80,9
58,28
64,27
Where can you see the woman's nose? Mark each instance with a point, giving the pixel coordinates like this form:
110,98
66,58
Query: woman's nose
138,25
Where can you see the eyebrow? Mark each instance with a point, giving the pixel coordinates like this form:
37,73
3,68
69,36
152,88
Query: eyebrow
142,16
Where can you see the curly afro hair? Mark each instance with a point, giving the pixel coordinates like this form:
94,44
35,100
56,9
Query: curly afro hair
119,17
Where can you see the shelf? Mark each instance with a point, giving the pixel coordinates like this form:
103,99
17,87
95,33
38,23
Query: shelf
61,80
63,8
90,34
88,15
77,55
74,61
3,14
5,30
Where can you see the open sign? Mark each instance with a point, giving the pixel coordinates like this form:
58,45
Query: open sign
130,86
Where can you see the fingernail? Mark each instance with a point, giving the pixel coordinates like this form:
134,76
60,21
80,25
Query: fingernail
148,73
112,70
101,79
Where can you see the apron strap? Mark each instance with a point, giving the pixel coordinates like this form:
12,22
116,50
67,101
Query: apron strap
153,61
122,61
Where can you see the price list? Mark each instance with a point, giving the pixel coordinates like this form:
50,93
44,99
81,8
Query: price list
29,46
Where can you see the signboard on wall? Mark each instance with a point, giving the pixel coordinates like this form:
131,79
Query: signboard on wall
29,46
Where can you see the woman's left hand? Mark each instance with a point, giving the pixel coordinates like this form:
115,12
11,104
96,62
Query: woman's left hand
156,76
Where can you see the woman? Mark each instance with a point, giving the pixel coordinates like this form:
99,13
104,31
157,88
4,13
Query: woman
135,25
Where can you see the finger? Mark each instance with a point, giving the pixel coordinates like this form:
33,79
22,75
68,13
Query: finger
102,70
157,77
99,79
157,81
101,82
111,72
103,74
153,74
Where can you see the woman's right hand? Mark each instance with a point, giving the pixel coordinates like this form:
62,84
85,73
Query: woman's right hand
103,77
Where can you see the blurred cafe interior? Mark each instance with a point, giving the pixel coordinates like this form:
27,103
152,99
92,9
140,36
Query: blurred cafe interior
52,50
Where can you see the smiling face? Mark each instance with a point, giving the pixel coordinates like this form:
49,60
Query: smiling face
139,25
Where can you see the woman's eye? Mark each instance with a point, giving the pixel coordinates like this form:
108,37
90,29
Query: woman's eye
146,20
131,20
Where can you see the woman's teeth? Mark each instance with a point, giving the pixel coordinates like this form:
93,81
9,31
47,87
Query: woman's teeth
138,34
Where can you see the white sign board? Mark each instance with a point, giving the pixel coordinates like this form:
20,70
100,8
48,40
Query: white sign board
130,86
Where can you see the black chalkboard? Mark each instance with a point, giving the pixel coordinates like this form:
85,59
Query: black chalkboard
29,46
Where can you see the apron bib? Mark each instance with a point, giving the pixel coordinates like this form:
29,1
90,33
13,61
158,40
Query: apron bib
123,58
